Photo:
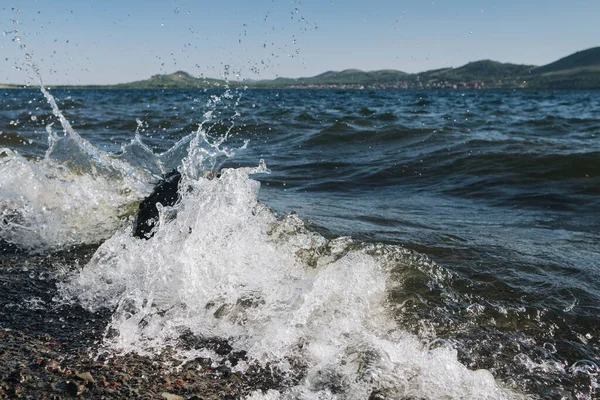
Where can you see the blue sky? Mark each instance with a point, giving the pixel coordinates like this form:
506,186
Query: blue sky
113,41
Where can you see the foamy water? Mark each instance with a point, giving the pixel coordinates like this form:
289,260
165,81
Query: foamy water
222,265
44,205
78,194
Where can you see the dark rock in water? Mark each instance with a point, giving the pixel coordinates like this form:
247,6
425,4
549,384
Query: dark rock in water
166,193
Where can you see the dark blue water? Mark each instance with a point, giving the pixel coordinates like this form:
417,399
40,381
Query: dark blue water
500,188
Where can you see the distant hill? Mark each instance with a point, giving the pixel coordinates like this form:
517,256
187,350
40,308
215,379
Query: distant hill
357,76
176,80
581,59
487,69
486,72
580,70
338,78
490,73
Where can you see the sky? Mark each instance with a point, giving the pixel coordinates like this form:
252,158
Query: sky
118,41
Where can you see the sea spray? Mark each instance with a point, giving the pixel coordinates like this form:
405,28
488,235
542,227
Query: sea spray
222,265
45,205
76,194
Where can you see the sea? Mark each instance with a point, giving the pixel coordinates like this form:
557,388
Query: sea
393,243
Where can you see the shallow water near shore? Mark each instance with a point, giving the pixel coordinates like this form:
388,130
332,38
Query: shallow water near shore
392,244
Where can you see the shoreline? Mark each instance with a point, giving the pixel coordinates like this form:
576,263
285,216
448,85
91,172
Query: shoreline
52,351
424,89
45,368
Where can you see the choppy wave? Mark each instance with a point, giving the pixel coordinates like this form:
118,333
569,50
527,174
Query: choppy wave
226,267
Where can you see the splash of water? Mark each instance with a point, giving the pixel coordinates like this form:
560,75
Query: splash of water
79,194
45,205
76,194
227,267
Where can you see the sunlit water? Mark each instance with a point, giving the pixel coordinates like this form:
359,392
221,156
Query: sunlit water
410,244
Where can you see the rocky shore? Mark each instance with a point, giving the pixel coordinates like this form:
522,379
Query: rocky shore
43,368
47,349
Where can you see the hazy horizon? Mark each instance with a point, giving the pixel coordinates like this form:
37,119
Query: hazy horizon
116,42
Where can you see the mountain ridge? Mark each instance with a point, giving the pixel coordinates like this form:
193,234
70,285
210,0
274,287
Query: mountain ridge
580,70
579,59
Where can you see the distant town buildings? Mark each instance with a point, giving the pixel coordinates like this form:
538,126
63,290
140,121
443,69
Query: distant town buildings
417,84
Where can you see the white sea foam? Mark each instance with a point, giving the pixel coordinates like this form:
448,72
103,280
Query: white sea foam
76,194
222,265
45,205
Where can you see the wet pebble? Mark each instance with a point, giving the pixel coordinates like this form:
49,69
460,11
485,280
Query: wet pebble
29,368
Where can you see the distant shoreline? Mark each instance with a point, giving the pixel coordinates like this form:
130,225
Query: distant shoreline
59,87
578,71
